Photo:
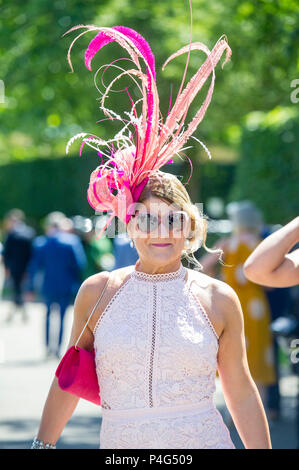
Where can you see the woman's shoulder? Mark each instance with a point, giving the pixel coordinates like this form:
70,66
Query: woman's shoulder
223,299
92,287
219,288
227,302
95,283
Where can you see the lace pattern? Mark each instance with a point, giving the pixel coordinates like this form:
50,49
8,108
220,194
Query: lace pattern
155,348
105,405
153,341
139,275
194,431
108,306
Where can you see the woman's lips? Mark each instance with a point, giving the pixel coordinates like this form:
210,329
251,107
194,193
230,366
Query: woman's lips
161,244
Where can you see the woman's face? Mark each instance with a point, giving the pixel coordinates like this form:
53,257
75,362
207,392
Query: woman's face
163,244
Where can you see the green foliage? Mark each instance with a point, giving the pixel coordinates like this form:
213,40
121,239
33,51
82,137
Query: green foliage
45,104
215,180
268,170
41,186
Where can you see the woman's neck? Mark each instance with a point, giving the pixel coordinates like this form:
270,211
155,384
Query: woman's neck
151,268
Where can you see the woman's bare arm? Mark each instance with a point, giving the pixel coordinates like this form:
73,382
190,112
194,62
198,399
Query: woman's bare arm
239,389
271,264
60,405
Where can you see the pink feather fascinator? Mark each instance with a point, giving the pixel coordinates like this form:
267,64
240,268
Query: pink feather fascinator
146,141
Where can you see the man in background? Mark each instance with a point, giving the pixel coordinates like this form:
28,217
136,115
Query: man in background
17,249
60,258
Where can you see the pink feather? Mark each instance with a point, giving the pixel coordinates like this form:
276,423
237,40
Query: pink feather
130,158
102,39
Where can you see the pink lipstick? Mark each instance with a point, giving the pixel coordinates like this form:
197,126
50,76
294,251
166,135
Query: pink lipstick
161,244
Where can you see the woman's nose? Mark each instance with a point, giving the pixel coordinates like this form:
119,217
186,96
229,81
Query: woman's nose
163,230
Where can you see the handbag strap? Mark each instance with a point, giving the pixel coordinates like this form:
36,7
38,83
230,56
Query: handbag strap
97,303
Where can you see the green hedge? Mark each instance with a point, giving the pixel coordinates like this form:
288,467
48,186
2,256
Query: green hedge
216,180
268,169
44,185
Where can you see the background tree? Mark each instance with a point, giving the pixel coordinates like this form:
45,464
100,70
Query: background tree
45,104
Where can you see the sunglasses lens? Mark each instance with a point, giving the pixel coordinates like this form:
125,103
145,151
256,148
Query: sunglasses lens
177,221
146,222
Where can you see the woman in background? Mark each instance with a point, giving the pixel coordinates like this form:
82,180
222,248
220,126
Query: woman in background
246,221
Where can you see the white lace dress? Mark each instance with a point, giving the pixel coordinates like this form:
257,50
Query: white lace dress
156,360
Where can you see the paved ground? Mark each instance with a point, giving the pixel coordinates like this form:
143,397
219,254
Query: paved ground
26,377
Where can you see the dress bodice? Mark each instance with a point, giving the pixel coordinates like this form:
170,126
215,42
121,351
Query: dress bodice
154,344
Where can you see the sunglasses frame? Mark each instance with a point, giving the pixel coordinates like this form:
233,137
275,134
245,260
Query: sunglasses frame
162,219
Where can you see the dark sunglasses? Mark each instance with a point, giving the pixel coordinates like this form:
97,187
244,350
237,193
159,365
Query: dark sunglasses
176,221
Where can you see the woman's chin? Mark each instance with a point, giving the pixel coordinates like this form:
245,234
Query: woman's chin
157,250
161,251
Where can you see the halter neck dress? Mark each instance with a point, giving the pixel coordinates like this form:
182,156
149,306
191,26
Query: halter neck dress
156,361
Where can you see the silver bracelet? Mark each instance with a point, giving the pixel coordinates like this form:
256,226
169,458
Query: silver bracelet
37,444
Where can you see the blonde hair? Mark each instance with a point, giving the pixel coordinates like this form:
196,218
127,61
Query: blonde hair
169,187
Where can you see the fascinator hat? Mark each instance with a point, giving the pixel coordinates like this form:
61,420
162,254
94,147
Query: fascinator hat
145,141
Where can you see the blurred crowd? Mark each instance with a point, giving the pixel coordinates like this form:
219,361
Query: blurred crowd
51,266
271,315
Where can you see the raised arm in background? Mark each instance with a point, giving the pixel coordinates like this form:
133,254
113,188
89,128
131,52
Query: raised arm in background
271,264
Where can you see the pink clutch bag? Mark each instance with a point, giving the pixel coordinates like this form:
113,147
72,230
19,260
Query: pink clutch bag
76,371
76,374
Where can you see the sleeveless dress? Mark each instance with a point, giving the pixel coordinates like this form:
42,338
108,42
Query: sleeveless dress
156,361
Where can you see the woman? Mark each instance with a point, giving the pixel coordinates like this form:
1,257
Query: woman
158,346
161,330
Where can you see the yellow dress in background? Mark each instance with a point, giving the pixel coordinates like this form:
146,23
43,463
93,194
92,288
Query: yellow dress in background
255,306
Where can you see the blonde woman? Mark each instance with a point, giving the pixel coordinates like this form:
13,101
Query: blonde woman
160,334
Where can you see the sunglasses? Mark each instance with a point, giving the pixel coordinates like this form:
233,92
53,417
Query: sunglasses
176,221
